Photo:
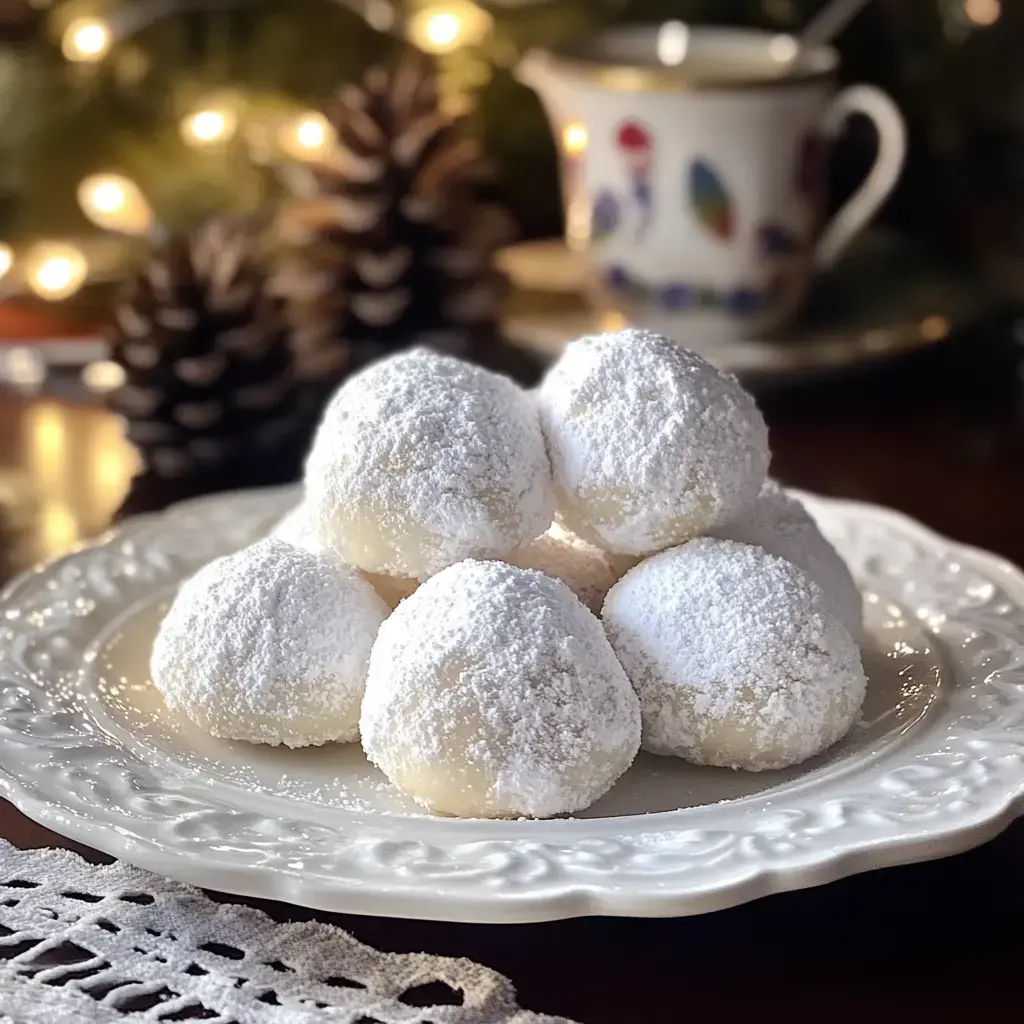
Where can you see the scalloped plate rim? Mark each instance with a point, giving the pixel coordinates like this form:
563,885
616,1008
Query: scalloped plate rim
565,899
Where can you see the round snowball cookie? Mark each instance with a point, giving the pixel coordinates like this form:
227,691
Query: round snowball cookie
736,655
493,692
586,570
782,526
650,444
423,460
270,645
294,528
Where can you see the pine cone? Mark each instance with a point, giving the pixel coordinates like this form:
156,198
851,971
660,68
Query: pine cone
397,248
209,383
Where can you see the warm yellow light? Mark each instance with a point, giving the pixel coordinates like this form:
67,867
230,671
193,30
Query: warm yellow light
673,42
55,270
613,320
107,197
58,527
311,132
103,376
983,12
86,39
6,259
308,137
115,203
440,28
574,138
935,327
22,367
208,127
57,276
46,448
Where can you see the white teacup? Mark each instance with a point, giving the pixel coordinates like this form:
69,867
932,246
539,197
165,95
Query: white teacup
694,165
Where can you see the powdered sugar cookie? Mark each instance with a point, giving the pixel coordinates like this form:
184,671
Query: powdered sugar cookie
650,445
423,460
270,645
736,655
294,528
781,525
585,569
493,692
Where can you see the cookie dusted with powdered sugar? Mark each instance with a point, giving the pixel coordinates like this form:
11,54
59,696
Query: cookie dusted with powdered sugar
294,528
781,525
586,570
493,692
736,655
270,645
650,445
423,460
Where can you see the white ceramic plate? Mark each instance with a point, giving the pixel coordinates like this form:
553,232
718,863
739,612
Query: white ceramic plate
87,749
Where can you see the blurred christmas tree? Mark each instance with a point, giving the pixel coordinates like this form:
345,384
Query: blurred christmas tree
190,102
124,114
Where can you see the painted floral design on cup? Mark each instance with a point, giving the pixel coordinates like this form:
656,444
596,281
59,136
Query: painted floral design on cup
636,144
606,215
710,200
741,302
678,296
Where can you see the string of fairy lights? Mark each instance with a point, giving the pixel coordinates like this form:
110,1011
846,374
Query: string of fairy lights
56,269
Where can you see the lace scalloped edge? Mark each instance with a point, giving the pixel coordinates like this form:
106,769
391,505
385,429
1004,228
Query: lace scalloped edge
105,944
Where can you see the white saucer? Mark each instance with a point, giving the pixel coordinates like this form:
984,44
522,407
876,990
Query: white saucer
87,749
881,303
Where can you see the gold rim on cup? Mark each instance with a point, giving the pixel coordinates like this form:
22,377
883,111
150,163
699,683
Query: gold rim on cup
818,65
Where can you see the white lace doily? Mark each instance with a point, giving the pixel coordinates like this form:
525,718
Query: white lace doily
80,943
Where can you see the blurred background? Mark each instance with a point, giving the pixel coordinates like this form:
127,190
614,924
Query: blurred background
149,352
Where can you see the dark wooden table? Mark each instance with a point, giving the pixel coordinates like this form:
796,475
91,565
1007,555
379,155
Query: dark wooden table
941,438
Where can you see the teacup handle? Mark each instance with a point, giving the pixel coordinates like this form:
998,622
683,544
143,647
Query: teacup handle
892,151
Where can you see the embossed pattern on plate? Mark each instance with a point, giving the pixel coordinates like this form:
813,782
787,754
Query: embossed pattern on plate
87,748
